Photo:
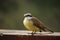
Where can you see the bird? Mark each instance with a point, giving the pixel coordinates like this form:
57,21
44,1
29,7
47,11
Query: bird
34,24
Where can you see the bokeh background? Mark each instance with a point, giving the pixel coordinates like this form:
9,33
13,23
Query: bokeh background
12,11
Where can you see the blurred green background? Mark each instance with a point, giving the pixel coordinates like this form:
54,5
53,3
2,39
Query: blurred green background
12,11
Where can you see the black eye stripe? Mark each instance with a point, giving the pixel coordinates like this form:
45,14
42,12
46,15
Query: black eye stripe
28,15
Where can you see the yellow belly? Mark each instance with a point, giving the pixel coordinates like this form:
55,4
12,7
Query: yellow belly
29,25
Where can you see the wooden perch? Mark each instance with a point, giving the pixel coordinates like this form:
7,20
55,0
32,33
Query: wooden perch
26,35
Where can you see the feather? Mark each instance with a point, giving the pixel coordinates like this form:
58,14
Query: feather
40,25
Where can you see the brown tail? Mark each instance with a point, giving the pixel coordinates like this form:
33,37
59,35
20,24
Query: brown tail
48,29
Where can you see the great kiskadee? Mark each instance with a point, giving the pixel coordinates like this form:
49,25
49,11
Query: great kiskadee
33,24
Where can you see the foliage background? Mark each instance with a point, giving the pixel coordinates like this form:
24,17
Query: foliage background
12,11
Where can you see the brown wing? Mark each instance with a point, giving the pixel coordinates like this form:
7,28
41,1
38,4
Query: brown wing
39,24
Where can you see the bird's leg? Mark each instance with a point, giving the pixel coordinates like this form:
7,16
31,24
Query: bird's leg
33,32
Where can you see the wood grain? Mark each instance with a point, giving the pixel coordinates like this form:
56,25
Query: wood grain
26,35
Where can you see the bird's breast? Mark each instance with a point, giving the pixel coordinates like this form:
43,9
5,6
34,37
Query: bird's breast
29,25
27,22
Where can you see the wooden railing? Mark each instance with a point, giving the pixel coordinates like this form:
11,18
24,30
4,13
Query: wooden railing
26,35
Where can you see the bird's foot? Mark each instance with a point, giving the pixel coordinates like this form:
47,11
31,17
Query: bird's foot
32,33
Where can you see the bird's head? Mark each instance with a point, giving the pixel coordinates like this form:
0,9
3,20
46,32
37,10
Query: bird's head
27,15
